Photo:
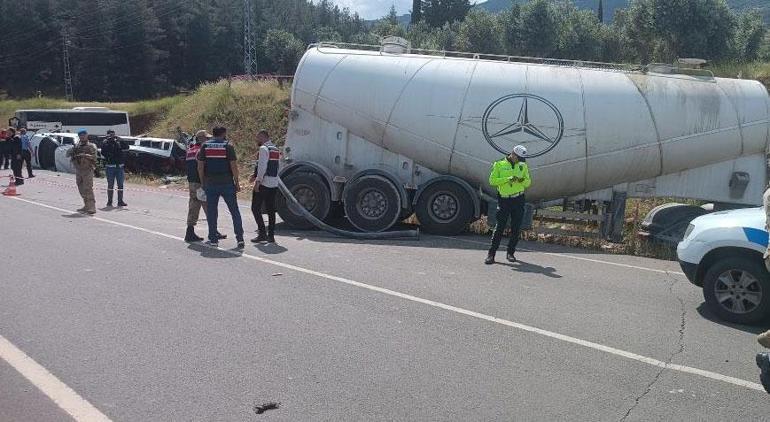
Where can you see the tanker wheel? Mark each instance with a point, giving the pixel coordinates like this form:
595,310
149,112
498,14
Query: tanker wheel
311,192
372,204
444,208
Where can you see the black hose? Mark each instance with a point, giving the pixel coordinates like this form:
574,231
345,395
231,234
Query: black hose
296,207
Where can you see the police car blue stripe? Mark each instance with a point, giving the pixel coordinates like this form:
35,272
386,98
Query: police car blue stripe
760,237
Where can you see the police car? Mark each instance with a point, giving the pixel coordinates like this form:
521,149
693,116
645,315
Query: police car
723,253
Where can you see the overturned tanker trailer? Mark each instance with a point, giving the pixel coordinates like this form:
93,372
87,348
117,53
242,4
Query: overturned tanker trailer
383,133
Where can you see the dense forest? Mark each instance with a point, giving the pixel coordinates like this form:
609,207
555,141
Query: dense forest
127,50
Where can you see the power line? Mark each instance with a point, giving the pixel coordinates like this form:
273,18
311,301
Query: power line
68,92
249,44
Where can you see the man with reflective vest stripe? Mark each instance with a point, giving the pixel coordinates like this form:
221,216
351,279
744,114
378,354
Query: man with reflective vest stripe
195,205
265,179
218,171
511,178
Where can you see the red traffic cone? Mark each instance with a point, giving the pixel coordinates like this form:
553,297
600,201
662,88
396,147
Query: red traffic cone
11,189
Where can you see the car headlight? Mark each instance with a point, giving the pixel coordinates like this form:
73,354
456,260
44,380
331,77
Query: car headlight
689,231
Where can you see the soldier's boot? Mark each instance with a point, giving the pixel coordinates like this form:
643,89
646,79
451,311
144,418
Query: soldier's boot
764,339
763,362
270,237
91,207
190,236
109,197
120,199
490,259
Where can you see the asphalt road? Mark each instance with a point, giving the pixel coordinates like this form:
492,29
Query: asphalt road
113,317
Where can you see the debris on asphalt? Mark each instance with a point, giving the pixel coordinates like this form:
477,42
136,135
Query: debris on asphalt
265,407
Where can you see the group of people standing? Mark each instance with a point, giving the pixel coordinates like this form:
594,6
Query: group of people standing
15,151
212,172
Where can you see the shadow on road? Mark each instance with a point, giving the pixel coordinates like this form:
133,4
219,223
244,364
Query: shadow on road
74,215
706,313
270,248
208,252
528,268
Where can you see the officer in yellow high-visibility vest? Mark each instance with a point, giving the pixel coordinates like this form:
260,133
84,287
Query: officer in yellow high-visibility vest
511,178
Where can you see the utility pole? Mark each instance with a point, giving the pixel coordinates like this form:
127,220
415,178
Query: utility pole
68,93
249,45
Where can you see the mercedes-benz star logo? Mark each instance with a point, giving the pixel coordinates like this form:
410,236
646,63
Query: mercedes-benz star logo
536,123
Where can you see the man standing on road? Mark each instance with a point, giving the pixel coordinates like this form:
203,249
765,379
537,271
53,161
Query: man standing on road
26,151
218,172
14,149
511,178
265,179
195,205
5,155
113,151
83,157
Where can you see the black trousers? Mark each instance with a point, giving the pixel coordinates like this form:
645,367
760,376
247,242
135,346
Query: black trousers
264,196
16,167
26,157
512,209
5,156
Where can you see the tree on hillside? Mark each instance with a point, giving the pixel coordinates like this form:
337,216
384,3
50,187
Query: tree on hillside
694,28
284,51
580,33
439,12
392,16
600,11
538,29
480,33
749,36
637,30
510,25
416,11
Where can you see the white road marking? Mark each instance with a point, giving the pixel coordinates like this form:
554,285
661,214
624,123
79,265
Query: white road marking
579,258
66,398
557,336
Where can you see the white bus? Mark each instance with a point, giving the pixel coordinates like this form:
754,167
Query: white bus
96,120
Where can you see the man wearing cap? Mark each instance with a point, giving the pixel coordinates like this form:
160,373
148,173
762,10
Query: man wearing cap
83,157
195,204
510,176
114,153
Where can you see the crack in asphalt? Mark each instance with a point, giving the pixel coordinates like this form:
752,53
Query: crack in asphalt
679,350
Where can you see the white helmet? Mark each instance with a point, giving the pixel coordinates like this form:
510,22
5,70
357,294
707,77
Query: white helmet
520,151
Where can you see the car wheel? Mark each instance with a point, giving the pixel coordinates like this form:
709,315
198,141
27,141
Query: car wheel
738,290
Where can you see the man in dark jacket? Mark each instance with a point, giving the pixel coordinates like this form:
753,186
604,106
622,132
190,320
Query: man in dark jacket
5,155
26,151
114,153
13,143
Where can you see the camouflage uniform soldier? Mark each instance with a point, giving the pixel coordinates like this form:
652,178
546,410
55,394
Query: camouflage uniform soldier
83,156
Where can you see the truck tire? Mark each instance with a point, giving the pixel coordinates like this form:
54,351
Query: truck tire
372,204
444,208
737,289
311,191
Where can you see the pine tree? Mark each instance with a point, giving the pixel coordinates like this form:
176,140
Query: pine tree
416,11
600,12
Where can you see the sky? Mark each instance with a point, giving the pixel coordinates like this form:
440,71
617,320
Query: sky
375,9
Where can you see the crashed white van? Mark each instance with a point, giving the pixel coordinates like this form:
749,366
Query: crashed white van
723,253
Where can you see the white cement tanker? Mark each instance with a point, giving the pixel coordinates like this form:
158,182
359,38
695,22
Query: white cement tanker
382,134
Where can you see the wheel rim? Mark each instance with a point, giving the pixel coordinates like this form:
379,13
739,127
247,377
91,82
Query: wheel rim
738,291
443,207
372,204
306,196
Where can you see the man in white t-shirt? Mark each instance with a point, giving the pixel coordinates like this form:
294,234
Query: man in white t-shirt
265,179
